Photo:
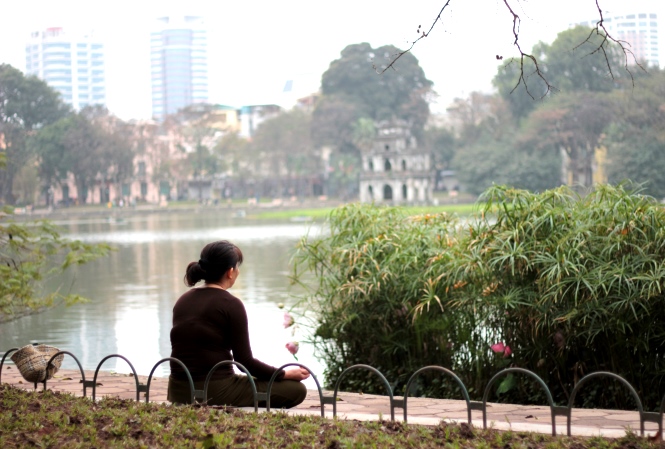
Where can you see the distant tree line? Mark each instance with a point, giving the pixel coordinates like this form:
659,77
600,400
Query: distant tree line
44,140
592,124
581,125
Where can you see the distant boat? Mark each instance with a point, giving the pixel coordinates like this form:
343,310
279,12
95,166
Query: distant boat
301,218
240,213
116,220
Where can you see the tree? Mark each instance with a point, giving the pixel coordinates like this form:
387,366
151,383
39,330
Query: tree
570,63
83,158
635,141
353,96
571,124
441,143
638,156
92,145
400,93
489,150
528,65
488,162
480,115
116,147
482,164
232,149
283,145
572,120
196,131
332,123
31,253
26,104
51,152
149,145
521,101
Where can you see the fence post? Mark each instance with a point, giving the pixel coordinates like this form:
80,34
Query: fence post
465,393
375,371
86,383
170,359
529,373
136,377
274,376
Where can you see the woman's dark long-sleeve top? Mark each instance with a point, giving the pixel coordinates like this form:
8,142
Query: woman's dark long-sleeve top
210,325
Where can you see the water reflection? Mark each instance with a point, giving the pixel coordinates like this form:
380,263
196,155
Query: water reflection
133,290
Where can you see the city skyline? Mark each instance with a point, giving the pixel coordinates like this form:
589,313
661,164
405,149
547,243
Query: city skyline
257,48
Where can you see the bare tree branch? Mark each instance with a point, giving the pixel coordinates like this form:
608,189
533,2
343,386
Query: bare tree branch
600,25
607,37
522,79
422,36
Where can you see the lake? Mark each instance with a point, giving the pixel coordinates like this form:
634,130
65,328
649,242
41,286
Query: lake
132,291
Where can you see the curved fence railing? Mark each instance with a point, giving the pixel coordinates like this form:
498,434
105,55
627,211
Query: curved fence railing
201,396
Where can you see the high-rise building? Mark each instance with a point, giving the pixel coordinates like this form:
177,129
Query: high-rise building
72,64
179,63
639,29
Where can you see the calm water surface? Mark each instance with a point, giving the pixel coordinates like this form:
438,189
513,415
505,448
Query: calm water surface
133,290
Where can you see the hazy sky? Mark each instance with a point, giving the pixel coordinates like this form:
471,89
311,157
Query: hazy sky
255,46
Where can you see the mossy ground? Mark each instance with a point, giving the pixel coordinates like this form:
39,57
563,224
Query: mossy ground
54,420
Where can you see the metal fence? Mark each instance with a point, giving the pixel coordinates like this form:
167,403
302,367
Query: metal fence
395,403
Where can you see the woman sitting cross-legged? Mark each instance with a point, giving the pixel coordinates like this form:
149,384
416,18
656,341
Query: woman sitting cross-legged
210,325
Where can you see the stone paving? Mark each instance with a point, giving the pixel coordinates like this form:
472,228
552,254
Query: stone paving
427,411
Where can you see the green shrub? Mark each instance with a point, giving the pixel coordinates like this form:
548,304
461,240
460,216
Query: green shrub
571,284
369,269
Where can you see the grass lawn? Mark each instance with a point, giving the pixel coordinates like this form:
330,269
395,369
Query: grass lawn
59,420
321,213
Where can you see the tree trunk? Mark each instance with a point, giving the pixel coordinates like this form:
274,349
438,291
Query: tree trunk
80,190
7,187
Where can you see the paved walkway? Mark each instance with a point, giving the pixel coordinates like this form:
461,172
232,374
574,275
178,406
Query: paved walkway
585,422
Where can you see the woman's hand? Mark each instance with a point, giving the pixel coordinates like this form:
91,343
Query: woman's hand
296,373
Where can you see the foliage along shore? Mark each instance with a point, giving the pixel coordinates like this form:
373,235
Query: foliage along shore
30,253
53,419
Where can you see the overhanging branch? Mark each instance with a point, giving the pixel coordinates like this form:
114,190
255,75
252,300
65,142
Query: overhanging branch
523,56
607,37
421,36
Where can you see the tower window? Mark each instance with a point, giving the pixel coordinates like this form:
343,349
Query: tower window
387,192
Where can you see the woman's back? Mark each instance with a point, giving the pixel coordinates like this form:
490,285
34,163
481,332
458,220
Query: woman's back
210,325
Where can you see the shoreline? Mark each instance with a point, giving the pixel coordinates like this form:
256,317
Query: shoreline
309,207
74,212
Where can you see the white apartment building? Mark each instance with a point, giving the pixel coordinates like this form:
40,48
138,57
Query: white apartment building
179,64
73,64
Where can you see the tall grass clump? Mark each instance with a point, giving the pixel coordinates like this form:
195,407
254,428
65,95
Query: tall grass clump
557,283
368,277
572,284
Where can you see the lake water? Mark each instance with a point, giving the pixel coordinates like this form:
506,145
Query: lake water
132,291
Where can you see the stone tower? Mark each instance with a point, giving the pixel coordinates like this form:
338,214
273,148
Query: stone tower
394,170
